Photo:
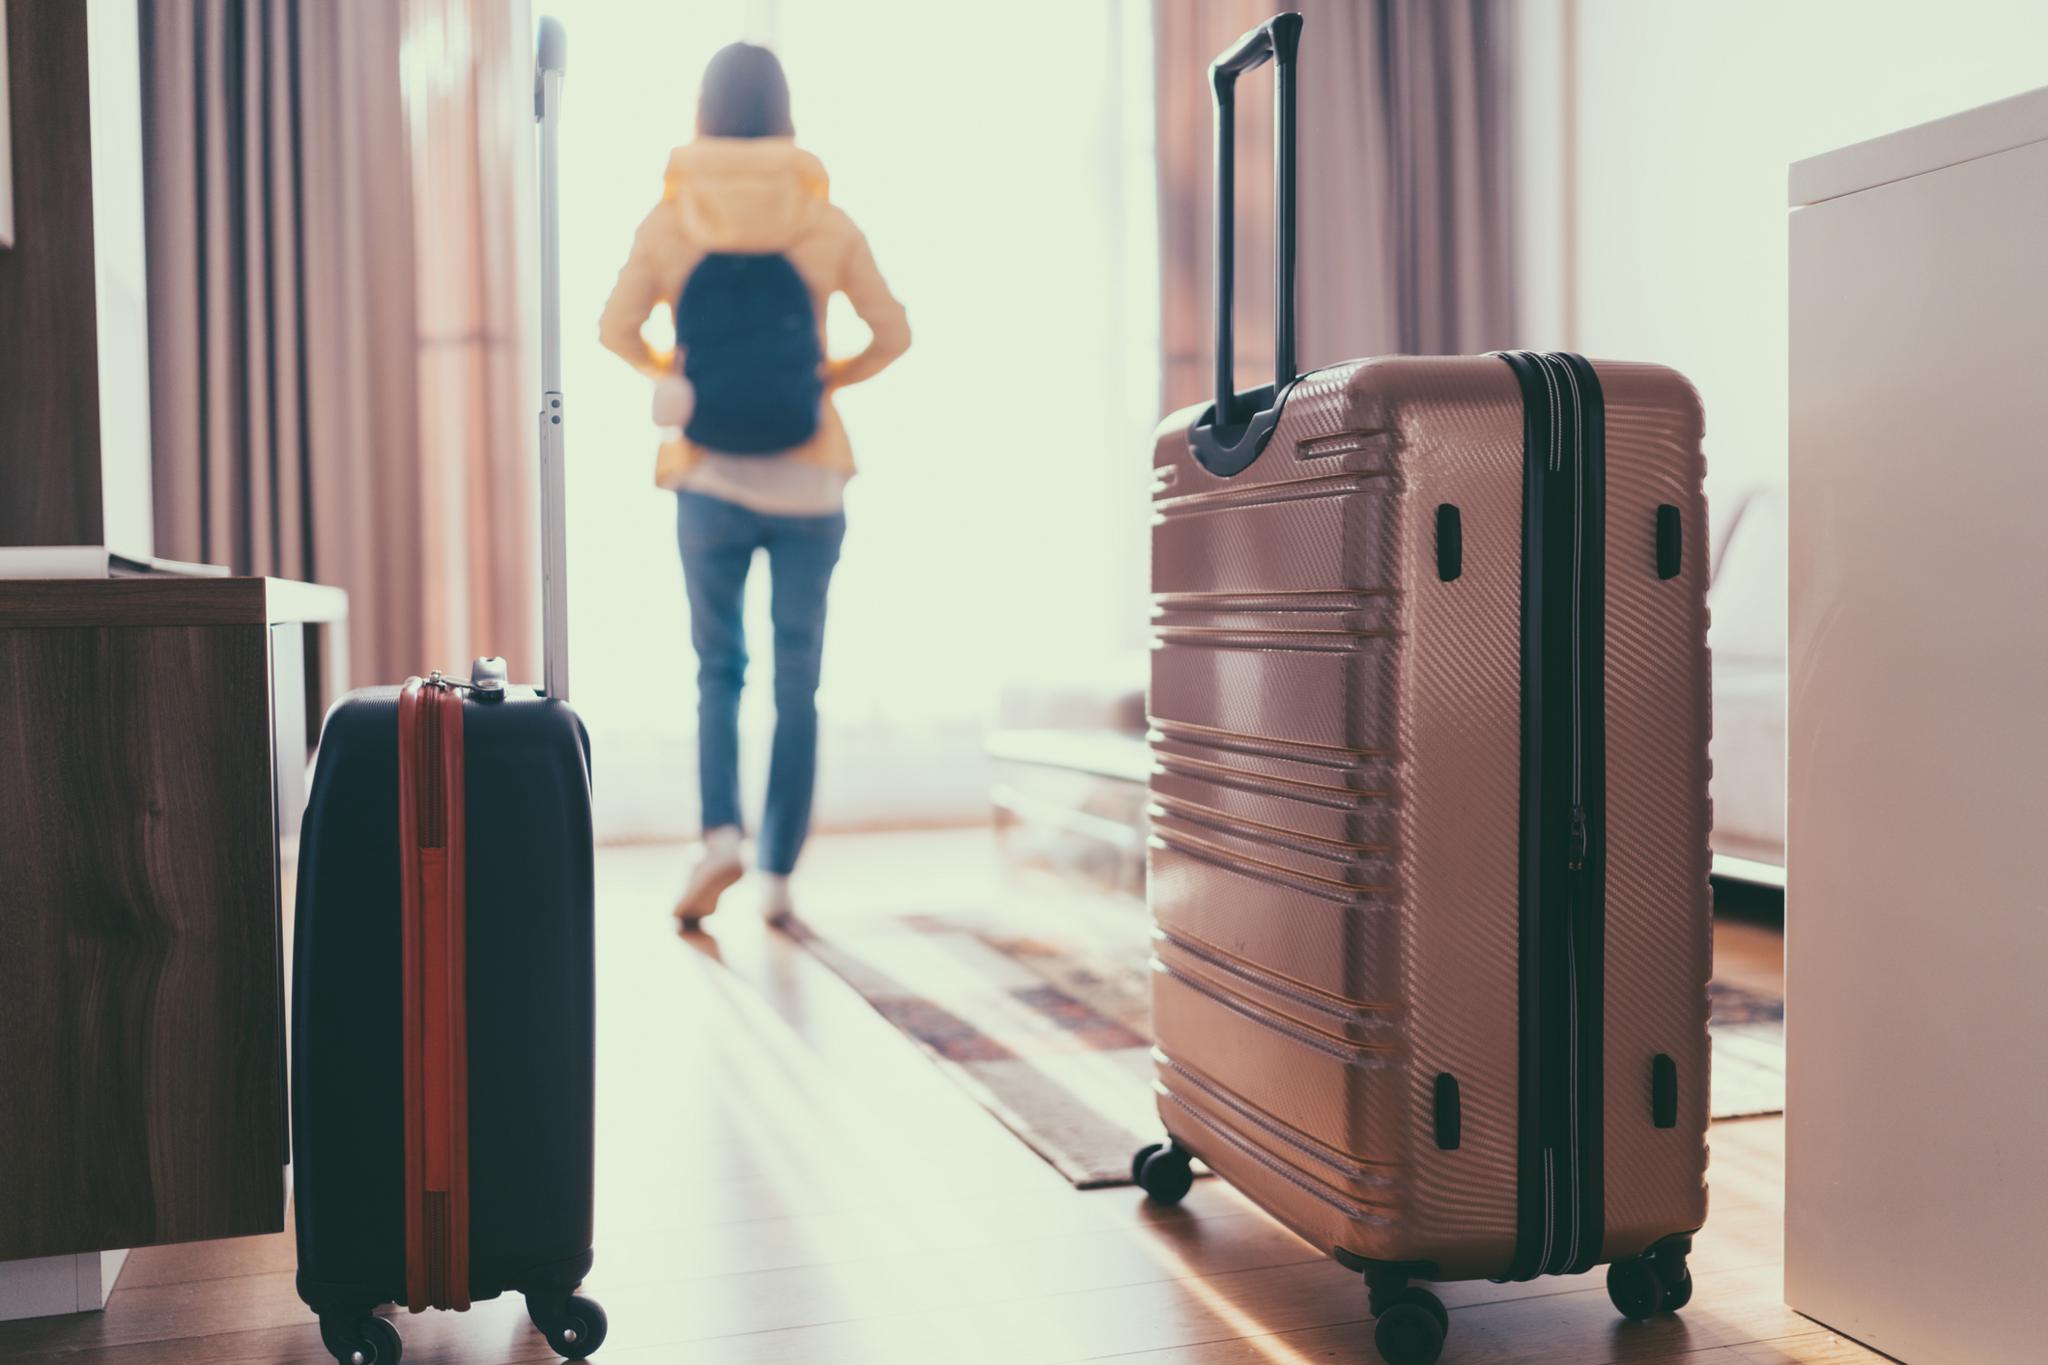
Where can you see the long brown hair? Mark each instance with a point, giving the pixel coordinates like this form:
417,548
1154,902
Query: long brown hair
744,94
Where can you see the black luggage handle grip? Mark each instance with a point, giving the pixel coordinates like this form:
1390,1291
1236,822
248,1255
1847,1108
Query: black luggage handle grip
1279,37
551,46
1221,444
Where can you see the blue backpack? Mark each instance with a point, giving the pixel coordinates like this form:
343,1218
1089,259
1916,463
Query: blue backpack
749,339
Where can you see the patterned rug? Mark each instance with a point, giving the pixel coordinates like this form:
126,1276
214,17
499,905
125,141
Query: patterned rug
1039,1009
1749,1052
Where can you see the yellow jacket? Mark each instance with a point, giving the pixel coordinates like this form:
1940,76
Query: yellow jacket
753,195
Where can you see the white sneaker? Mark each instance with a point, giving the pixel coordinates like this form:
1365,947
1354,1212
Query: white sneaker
715,872
778,907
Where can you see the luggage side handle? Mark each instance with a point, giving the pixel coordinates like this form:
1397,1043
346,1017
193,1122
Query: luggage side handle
1223,442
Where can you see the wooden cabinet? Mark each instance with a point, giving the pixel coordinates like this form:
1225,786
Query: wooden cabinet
153,734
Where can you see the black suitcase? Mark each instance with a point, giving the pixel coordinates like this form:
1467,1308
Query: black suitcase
442,1040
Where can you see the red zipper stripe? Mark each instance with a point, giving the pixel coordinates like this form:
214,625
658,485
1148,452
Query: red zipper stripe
435,995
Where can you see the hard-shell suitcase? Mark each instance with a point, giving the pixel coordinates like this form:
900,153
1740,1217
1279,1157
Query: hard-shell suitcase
1428,865
442,1037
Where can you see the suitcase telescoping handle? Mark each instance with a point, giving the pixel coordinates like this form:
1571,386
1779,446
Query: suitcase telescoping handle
551,51
1233,434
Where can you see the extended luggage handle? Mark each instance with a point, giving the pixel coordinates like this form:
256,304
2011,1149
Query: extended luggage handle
1222,442
551,51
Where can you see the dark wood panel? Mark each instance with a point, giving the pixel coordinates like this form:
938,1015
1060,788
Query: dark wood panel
65,603
49,359
140,1035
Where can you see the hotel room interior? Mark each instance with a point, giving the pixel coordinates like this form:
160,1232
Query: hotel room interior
270,356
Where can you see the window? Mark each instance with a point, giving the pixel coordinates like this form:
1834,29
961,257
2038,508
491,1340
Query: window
1002,169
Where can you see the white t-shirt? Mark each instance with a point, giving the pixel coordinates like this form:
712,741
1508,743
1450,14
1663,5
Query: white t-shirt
773,485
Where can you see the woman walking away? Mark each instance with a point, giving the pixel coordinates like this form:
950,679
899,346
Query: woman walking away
747,247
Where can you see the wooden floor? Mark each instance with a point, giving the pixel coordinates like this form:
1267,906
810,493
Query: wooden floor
782,1178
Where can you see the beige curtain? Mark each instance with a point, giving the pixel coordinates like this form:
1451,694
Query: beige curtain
338,206
1405,201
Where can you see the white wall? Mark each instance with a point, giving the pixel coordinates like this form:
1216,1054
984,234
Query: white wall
120,283
1667,185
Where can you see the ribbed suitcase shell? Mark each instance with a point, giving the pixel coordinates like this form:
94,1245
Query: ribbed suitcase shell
1334,851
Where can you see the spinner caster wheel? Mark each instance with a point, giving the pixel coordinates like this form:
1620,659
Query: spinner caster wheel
1679,1294
1166,1174
575,1328
1636,1290
1411,1329
363,1340
1435,1305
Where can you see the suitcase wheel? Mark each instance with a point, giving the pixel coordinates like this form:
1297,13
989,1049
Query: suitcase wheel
360,1339
1411,1328
1164,1172
1646,1285
1678,1295
574,1326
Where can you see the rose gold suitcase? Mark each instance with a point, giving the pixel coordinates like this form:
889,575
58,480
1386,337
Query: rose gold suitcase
1429,709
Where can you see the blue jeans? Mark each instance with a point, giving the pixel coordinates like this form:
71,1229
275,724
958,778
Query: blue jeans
718,540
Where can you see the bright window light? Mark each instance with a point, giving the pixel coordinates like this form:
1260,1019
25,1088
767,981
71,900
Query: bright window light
997,524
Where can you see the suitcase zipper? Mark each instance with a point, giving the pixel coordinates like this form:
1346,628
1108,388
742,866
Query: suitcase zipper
1566,435
1576,835
433,788
1560,899
433,795
1550,1183
435,1049
1582,914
